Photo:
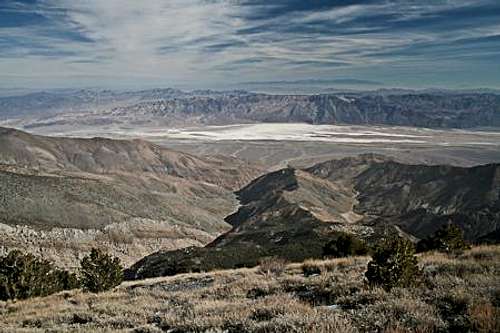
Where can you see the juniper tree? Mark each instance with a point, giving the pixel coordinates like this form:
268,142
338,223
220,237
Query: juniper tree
24,276
393,264
100,271
344,245
449,238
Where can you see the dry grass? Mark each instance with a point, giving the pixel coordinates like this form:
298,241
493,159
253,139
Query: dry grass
485,317
313,267
460,294
272,266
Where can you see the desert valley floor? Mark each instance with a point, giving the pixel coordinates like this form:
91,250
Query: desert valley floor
276,145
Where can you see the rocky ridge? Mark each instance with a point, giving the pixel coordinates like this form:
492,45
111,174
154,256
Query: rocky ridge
293,213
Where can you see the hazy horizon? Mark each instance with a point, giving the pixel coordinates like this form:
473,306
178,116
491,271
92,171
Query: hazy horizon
261,88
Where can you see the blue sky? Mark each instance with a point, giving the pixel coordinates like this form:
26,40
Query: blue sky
219,44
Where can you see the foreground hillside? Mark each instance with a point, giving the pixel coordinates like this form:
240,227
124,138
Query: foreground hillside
458,294
60,196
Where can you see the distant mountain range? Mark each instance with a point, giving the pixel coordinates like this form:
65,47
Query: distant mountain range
293,213
172,107
318,82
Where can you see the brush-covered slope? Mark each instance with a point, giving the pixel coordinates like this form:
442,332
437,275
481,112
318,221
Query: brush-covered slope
293,213
460,295
112,191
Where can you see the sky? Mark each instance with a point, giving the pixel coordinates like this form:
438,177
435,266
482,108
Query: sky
249,43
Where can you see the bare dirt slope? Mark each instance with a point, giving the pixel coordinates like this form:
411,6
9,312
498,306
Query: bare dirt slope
132,196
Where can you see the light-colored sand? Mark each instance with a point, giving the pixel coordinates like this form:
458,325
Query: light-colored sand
299,132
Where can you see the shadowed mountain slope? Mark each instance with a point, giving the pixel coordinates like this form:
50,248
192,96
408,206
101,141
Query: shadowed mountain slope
293,213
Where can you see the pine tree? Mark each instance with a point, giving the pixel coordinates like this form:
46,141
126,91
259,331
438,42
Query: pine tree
100,272
24,276
449,238
344,245
394,264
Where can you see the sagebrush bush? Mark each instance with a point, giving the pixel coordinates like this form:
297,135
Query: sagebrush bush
394,264
272,266
343,245
24,276
100,272
310,268
449,238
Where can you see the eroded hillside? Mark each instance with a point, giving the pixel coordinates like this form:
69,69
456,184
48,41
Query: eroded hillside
61,196
293,213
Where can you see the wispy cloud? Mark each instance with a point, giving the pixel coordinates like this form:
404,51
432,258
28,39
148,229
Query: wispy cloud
219,42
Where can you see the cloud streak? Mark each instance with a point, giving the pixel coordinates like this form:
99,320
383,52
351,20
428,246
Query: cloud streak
218,43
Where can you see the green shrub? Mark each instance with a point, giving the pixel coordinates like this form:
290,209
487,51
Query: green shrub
449,238
344,245
394,264
23,276
66,280
100,272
